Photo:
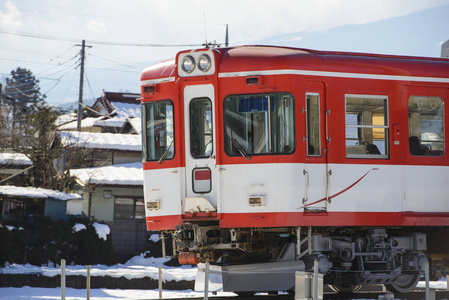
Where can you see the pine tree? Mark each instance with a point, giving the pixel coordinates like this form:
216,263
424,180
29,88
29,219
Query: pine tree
23,92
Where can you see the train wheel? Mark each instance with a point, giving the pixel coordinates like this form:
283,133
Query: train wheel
403,284
345,289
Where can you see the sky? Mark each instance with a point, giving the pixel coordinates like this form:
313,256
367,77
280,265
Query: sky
44,36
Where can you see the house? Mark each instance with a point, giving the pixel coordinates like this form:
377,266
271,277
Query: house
110,113
14,168
18,203
106,148
114,194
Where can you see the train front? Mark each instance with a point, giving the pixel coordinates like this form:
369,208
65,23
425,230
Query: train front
179,146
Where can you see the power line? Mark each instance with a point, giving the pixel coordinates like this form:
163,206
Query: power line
65,39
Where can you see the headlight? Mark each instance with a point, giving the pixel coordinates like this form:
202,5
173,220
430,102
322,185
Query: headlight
204,63
188,64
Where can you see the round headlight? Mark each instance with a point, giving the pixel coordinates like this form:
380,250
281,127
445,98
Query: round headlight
204,63
188,64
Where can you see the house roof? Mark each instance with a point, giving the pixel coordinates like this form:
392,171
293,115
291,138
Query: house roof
123,174
16,159
94,122
110,141
112,104
36,193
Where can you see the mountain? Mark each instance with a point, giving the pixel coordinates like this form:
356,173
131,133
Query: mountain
416,34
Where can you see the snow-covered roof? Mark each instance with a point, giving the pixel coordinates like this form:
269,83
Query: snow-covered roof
123,174
111,141
64,119
125,110
12,158
36,193
94,122
136,123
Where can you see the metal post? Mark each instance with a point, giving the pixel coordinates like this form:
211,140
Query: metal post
206,281
163,245
298,242
160,282
62,279
315,280
309,240
427,280
88,282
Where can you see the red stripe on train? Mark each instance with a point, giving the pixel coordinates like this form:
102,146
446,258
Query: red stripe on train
286,219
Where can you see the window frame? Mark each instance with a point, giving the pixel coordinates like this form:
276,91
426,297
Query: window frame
191,136
308,119
269,125
424,144
144,134
385,127
134,211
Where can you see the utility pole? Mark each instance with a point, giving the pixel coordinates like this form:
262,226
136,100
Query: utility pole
80,99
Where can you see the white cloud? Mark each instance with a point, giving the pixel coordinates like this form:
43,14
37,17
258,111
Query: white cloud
96,26
11,17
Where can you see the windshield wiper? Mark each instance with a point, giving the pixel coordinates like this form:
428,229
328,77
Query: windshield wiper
239,148
166,152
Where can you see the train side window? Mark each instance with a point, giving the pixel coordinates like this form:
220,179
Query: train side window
366,126
313,124
201,137
259,124
426,126
157,130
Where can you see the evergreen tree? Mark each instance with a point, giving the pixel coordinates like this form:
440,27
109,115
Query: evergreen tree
23,92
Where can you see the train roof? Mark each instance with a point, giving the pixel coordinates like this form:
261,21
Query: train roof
252,58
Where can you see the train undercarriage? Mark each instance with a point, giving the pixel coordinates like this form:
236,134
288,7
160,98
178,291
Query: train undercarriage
347,257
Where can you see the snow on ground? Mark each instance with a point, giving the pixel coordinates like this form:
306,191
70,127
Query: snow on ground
28,293
136,267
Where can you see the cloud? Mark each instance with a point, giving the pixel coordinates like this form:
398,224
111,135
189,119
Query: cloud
96,26
11,18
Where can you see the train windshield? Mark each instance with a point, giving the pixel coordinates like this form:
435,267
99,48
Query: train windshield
259,124
157,130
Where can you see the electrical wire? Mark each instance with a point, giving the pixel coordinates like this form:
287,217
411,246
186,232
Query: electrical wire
65,39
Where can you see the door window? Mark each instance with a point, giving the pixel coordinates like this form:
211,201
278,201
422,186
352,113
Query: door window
201,131
313,124
426,126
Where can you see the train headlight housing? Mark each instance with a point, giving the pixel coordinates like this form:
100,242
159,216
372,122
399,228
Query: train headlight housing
188,64
204,63
196,63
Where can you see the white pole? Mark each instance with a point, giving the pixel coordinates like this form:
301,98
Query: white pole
160,282
62,279
88,282
206,281
315,280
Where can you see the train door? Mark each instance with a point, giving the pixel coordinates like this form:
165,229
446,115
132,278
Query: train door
200,171
425,155
316,170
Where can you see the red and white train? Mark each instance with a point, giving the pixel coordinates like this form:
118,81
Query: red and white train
262,160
